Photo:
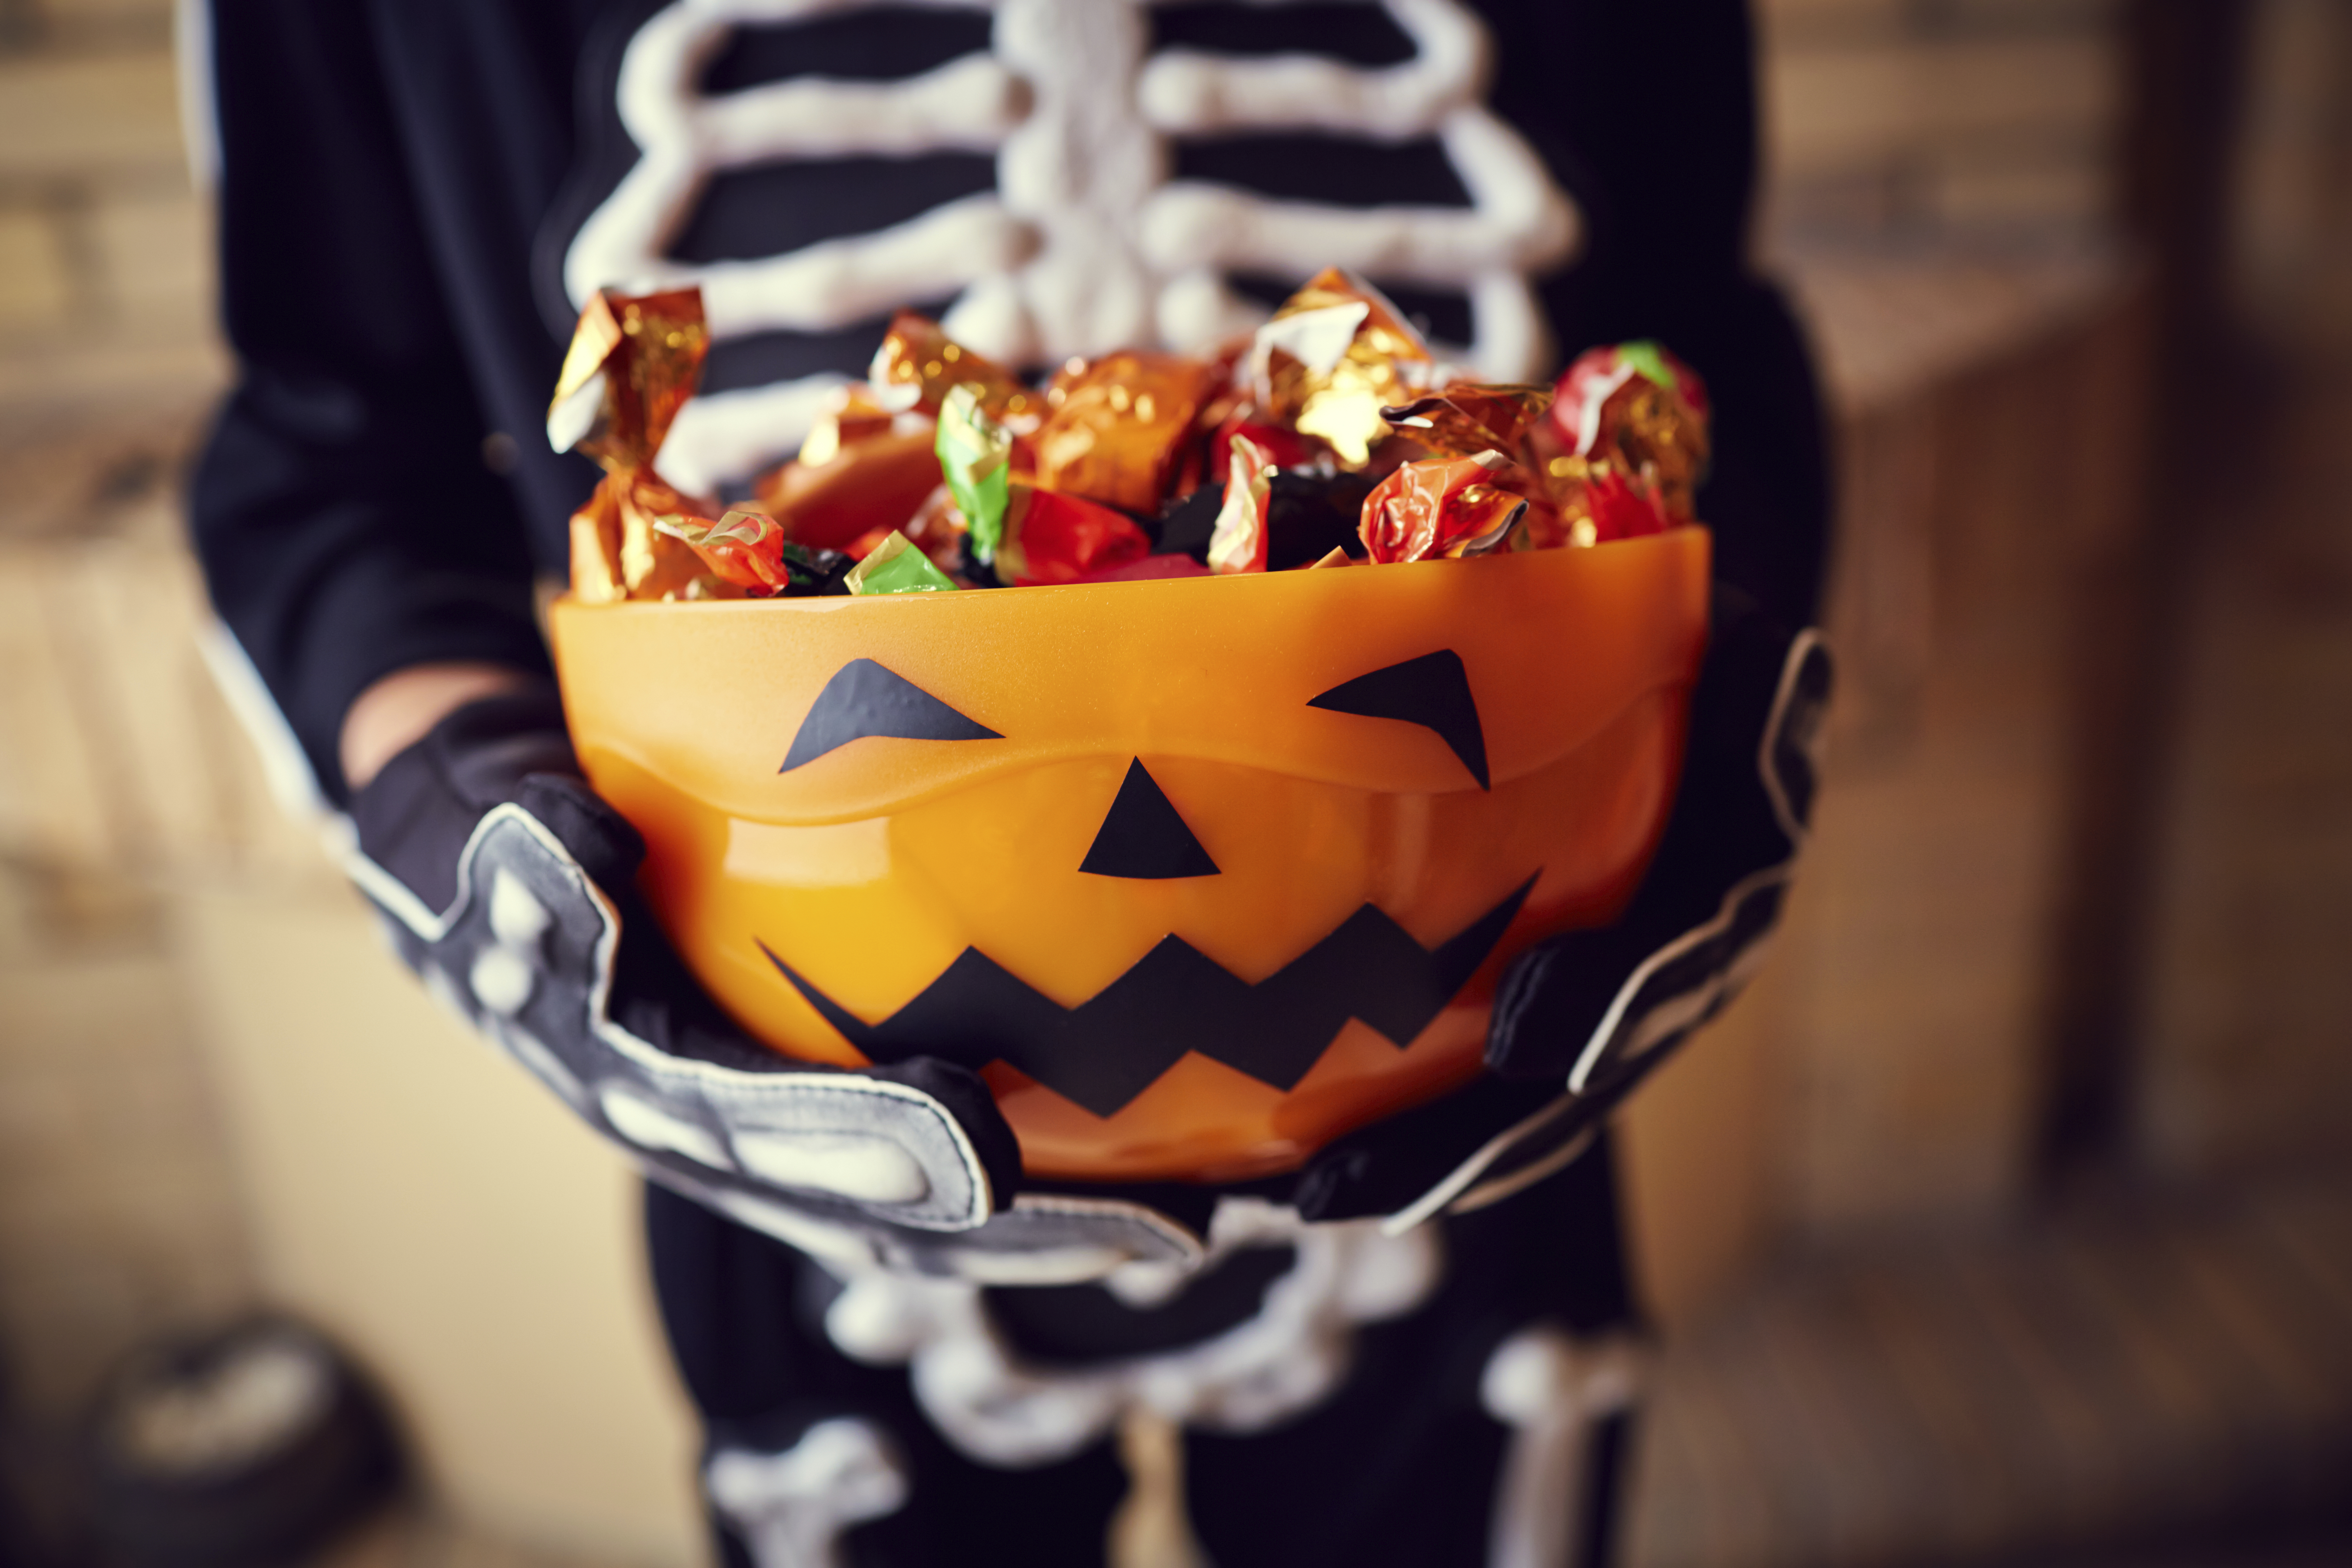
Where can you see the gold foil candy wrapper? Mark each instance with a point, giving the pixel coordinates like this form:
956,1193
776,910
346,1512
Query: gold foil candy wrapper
632,363
918,364
1470,417
1115,426
1659,441
618,552
1334,355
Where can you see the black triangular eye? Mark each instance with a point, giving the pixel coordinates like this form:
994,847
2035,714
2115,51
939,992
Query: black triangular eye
863,698
1432,691
1144,836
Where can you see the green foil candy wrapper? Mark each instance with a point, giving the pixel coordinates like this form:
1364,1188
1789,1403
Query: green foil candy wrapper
976,459
896,566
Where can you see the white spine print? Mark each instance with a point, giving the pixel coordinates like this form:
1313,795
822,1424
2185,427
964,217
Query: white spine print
1086,244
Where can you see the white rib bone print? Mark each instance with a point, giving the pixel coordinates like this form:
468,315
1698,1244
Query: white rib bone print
1086,244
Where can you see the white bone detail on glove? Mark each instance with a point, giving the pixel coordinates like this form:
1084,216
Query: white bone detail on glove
858,1170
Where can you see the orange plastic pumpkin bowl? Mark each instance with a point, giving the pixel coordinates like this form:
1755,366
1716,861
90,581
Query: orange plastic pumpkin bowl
1192,869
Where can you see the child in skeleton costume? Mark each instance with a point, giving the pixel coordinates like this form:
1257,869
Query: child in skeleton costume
1419,1347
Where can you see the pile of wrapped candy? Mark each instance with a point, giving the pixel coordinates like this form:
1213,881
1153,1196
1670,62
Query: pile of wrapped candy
1331,435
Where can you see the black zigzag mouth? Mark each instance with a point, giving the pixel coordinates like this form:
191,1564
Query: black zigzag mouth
1109,1048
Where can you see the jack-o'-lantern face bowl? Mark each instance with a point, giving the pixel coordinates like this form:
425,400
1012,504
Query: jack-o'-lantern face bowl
1200,873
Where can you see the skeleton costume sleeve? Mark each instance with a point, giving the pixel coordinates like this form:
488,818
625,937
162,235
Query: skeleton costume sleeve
346,513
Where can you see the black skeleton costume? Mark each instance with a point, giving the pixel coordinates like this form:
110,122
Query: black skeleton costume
1417,1349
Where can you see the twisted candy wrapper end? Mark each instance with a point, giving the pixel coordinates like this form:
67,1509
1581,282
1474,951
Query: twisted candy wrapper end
1241,542
975,456
896,566
634,361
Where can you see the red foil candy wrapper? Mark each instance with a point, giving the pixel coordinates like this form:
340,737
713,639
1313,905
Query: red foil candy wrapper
1620,507
1050,537
744,548
1283,447
1441,507
1636,410
1117,427
634,361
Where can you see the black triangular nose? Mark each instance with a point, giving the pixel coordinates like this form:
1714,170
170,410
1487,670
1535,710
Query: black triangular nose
1144,838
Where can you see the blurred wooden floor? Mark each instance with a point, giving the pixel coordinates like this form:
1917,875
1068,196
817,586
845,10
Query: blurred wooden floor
2140,1370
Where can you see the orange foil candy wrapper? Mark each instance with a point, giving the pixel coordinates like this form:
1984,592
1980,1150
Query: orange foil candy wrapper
1442,507
1117,425
634,361
918,364
870,483
862,469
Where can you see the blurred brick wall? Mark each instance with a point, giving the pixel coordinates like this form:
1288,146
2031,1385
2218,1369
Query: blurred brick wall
120,767
2250,997
117,753
2292,255
105,264
1942,181
1921,121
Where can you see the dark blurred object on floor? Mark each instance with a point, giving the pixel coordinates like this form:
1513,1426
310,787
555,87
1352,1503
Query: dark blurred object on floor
241,1446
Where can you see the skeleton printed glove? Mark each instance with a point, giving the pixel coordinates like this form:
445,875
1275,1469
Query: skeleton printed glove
507,886
1580,1020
